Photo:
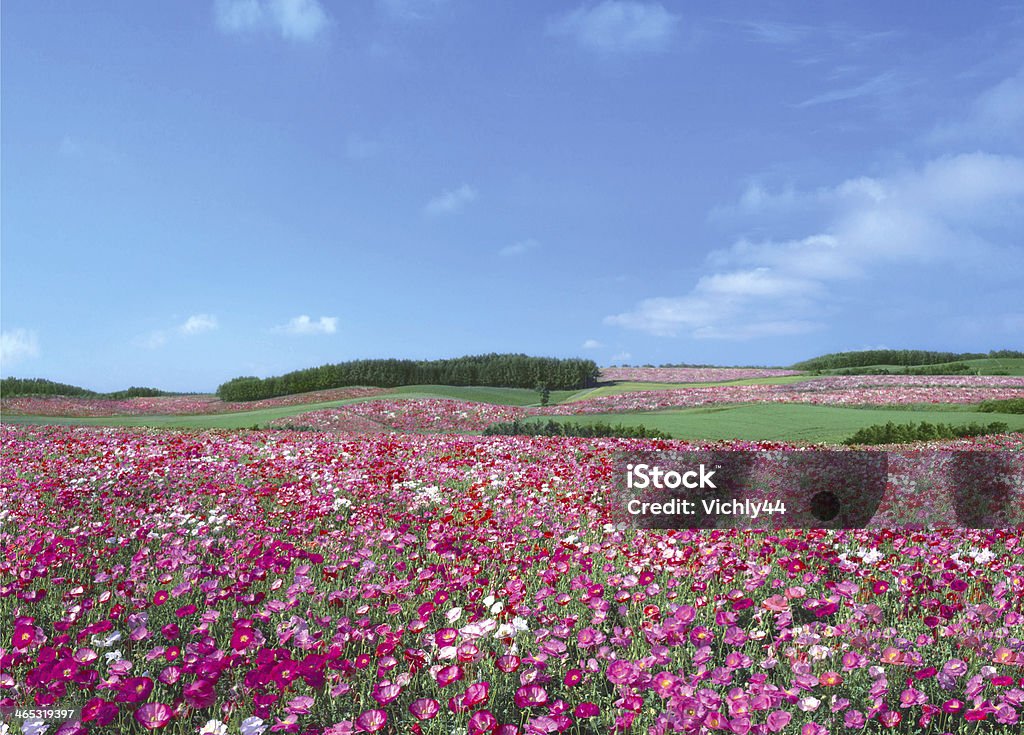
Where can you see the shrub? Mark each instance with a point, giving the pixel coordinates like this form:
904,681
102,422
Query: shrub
891,433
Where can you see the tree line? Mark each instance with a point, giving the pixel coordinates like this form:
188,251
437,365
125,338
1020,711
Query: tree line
492,370
41,387
903,358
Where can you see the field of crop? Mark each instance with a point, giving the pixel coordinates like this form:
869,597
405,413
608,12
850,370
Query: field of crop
302,582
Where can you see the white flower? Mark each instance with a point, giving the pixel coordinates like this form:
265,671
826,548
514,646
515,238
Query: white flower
214,727
253,726
454,614
809,704
33,727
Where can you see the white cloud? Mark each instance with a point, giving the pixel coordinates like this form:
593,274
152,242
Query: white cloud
451,201
997,114
519,248
410,10
883,85
303,325
958,211
592,344
154,340
197,324
618,25
621,357
17,345
297,20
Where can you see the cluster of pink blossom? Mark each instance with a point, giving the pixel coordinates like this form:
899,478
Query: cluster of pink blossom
167,405
690,374
263,582
856,382
810,392
434,414
331,420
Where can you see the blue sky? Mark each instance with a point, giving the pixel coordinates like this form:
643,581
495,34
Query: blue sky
195,191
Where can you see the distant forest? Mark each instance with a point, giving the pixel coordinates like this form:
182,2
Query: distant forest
903,358
42,387
493,370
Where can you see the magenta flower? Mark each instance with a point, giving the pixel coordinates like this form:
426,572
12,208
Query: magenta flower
372,720
482,722
153,715
476,694
135,689
424,709
448,675
200,694
530,695
778,720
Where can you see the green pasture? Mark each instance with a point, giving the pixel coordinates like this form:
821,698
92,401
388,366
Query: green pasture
787,422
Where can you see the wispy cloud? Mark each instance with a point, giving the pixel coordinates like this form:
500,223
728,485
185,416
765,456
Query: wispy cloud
591,344
17,345
303,325
295,20
882,85
957,212
519,248
451,201
195,324
996,114
618,26
410,10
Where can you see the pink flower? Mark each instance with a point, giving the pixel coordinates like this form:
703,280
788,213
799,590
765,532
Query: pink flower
530,695
778,720
135,689
448,675
424,709
372,720
153,715
482,722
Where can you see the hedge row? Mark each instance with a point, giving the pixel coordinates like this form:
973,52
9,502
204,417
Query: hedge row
891,433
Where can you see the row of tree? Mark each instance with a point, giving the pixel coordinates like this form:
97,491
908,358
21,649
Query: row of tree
41,387
506,371
903,358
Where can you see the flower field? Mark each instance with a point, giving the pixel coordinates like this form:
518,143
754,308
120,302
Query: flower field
691,374
166,405
256,582
831,391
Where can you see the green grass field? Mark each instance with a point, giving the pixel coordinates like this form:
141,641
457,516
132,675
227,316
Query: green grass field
787,422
